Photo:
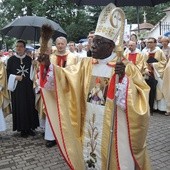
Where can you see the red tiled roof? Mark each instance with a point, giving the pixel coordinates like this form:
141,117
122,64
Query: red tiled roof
144,26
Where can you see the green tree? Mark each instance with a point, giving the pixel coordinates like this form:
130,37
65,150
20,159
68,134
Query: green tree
74,20
154,14
84,21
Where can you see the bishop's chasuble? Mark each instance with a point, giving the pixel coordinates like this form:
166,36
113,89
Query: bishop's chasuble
4,97
80,110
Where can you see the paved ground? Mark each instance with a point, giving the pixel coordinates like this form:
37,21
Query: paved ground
31,153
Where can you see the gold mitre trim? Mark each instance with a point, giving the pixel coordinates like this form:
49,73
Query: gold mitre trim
104,27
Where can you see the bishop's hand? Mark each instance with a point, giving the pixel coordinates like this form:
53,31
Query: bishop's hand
120,69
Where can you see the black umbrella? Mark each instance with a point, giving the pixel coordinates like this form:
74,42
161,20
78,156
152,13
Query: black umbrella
28,28
120,3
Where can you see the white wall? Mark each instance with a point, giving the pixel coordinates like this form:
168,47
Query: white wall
155,32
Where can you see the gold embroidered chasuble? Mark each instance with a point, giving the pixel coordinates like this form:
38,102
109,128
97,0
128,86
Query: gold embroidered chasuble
138,60
38,100
70,58
162,61
166,85
159,68
4,95
66,109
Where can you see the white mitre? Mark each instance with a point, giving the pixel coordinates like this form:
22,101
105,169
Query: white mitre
109,23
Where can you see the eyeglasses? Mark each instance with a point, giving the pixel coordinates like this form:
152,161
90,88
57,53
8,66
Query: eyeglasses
150,42
20,46
92,36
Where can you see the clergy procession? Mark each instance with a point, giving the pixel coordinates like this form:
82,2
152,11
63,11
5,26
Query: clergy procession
93,102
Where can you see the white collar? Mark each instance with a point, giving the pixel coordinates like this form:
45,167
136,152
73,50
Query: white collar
154,51
108,59
20,56
136,51
133,52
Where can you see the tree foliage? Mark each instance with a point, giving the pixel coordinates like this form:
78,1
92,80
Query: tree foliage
154,14
76,21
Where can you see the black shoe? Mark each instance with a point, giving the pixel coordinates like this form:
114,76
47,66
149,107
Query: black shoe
151,112
24,134
31,132
155,110
162,112
50,144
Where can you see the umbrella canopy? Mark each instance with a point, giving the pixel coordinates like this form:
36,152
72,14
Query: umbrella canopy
29,48
120,2
28,28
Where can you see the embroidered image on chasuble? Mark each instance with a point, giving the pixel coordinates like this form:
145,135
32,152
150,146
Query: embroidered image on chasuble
98,90
94,118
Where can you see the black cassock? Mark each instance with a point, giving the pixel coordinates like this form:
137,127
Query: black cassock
25,116
152,82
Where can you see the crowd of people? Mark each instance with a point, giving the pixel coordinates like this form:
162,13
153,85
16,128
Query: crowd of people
69,91
152,61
